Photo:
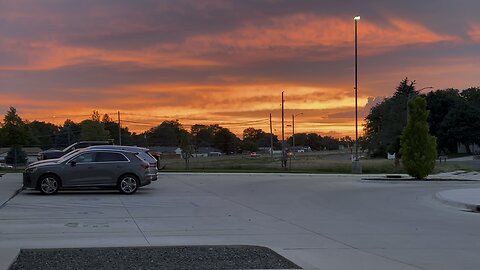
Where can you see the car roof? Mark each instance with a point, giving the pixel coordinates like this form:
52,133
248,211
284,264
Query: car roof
88,149
119,147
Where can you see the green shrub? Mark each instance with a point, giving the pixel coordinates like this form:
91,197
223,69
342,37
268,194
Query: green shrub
418,147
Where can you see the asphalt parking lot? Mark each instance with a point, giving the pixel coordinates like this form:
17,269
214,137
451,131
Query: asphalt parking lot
316,221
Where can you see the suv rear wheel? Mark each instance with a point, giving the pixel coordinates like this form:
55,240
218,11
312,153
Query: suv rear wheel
128,184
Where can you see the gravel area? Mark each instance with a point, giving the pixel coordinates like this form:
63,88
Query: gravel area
177,257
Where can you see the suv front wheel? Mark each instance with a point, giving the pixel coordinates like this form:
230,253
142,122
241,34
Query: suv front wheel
49,184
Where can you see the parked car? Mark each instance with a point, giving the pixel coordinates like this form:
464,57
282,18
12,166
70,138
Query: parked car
53,153
6,166
124,168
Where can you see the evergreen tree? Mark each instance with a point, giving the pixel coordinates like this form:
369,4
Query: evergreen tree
418,147
16,156
14,131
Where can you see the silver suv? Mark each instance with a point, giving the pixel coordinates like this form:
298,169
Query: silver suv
123,167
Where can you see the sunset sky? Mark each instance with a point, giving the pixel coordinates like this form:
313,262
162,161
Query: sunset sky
227,62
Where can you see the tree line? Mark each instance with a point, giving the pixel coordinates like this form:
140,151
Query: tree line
453,118
16,133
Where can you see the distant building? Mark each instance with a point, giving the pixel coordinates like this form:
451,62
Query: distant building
166,151
474,148
207,152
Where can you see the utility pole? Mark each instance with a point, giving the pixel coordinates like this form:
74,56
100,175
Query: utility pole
293,133
284,153
271,137
119,129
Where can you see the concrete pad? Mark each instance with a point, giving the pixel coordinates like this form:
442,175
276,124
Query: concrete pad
317,221
344,259
435,258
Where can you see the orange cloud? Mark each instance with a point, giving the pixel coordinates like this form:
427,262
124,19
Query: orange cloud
324,38
474,32
321,34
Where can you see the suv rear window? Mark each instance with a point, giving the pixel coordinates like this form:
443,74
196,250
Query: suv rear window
109,157
146,157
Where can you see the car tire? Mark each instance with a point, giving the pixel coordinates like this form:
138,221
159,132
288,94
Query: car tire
49,184
128,184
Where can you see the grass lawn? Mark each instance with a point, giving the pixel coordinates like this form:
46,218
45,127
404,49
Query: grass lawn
299,164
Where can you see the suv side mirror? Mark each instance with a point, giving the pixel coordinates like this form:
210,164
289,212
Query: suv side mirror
73,163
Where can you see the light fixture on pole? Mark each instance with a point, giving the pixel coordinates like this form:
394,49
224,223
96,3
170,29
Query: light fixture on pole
356,166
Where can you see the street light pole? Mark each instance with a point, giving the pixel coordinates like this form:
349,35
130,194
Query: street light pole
356,19
284,153
356,167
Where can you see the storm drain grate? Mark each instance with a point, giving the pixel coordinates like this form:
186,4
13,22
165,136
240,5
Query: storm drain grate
175,257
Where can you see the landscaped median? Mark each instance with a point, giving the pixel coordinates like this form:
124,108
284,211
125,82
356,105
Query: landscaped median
298,164
173,257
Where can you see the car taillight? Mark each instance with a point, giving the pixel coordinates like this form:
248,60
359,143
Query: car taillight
145,165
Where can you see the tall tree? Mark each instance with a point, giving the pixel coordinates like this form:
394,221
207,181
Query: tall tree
45,133
314,141
93,130
14,131
384,124
439,104
254,138
112,127
68,134
168,133
203,135
418,147
226,141
462,123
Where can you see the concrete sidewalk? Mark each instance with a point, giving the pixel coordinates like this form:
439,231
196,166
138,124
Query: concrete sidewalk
457,175
464,198
11,184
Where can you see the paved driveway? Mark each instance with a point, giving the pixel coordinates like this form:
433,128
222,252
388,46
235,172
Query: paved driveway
325,222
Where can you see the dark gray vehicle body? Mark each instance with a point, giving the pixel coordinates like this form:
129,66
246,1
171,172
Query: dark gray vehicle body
93,167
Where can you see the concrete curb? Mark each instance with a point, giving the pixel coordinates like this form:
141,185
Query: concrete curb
468,206
414,181
11,197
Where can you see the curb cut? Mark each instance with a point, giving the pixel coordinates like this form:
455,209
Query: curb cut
415,181
467,206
